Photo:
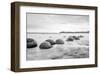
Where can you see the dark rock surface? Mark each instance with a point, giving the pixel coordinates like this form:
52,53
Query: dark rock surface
31,43
45,45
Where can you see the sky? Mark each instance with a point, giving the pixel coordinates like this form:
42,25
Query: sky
57,22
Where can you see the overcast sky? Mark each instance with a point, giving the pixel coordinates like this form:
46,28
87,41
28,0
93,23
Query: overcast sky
57,23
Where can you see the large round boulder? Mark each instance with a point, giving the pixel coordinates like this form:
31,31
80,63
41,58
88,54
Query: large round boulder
31,43
52,42
45,45
70,39
59,41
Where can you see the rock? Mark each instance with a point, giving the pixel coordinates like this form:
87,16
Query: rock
70,39
64,36
50,36
45,45
59,41
31,43
76,38
81,36
52,42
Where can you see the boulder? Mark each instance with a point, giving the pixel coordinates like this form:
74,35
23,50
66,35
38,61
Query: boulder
45,45
31,43
52,42
50,36
64,36
81,36
76,37
70,39
59,41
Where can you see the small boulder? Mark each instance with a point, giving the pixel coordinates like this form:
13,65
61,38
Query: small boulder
70,39
50,36
31,43
45,45
52,42
76,38
81,36
64,36
59,41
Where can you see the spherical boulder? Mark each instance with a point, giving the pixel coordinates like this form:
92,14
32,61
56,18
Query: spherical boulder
64,36
81,36
50,36
31,43
76,38
70,39
59,41
45,45
52,42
